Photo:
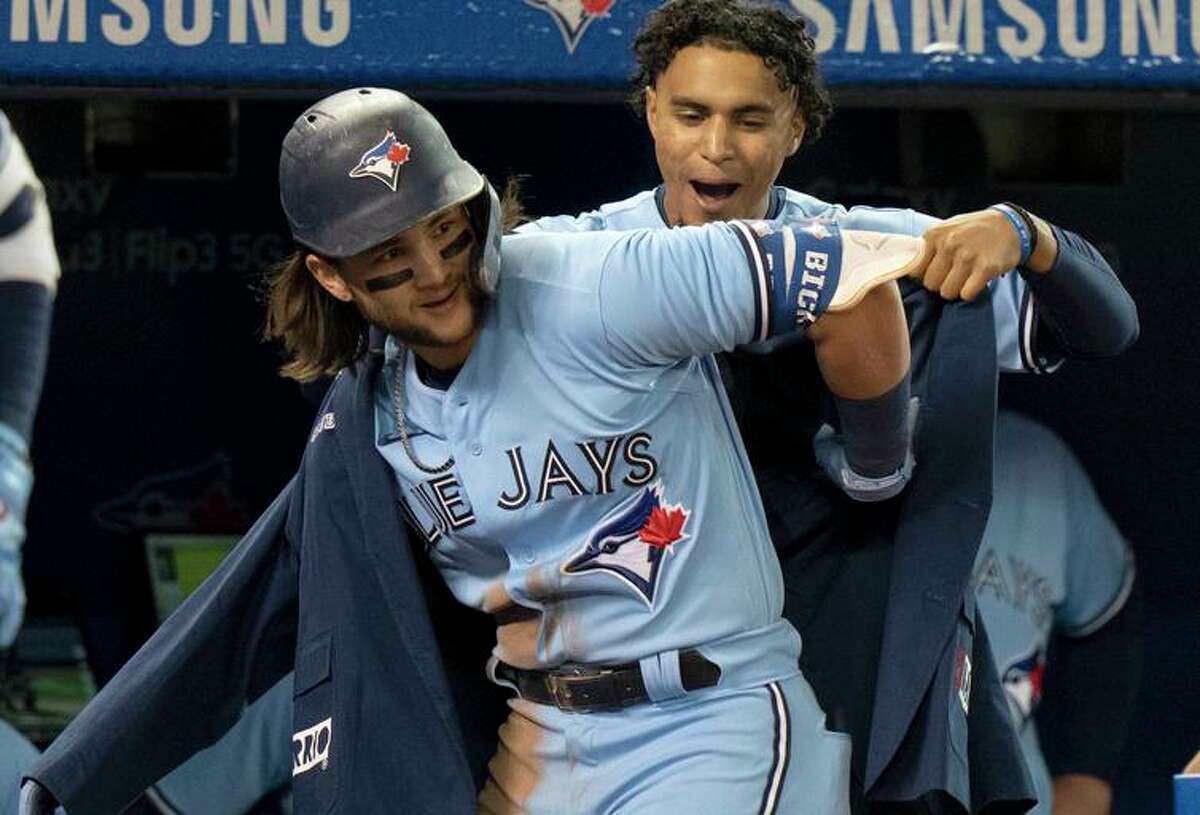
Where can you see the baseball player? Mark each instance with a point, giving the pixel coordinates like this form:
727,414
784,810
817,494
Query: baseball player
755,119
29,272
1053,563
730,90
565,453
837,563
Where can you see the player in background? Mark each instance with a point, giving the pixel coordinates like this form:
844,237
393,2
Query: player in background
730,90
566,453
1053,567
29,272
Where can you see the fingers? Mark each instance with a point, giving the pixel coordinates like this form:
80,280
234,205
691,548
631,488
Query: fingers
952,284
960,259
917,272
965,278
940,264
975,285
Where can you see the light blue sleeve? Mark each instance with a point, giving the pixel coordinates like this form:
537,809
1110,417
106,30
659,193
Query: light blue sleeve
17,757
1015,309
584,222
1099,565
16,483
885,219
670,294
253,758
1013,306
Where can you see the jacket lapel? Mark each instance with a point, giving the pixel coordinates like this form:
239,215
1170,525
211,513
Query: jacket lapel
942,521
377,499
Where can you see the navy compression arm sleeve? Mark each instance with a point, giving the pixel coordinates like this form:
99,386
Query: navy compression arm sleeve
1082,302
25,311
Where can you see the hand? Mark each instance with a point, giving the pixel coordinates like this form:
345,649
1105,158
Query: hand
965,253
830,452
36,799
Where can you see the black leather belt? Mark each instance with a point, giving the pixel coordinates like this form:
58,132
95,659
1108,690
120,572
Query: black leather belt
590,688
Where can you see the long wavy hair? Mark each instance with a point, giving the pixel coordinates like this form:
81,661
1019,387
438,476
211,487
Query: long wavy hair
321,334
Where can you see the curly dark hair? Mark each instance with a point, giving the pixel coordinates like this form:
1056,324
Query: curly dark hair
780,38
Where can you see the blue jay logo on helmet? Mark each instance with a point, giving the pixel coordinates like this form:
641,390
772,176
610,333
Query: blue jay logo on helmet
1023,681
632,543
383,161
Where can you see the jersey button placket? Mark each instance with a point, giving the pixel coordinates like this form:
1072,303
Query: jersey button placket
455,417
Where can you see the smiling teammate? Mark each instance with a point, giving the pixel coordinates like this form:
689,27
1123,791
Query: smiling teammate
564,449
730,90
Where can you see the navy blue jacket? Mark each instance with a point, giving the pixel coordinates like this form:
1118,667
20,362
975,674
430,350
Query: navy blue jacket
324,579
893,645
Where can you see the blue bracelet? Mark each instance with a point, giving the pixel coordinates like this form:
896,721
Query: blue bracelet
1024,234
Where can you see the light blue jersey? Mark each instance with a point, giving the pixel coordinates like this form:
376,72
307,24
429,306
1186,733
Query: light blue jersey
600,503
17,757
1013,304
1051,559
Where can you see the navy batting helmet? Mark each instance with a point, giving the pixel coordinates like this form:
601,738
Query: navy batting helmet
364,164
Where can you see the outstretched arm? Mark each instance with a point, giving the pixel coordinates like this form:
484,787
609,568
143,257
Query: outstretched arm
28,276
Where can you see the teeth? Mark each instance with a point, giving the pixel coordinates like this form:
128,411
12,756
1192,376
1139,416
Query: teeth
714,190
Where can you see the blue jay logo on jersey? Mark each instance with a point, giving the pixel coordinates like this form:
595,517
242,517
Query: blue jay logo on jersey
632,543
1023,683
382,162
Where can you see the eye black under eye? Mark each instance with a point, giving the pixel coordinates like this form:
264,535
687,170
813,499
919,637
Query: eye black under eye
456,246
389,281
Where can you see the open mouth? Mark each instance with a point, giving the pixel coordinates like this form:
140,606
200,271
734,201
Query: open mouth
714,192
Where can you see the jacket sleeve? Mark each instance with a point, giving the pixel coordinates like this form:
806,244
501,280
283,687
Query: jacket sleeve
1077,310
1088,311
229,642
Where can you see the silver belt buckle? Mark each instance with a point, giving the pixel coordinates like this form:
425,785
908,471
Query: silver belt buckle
563,686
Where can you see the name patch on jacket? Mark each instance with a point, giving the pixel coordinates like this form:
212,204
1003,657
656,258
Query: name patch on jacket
310,748
326,422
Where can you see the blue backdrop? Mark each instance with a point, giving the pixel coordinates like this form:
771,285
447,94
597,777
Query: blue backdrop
579,44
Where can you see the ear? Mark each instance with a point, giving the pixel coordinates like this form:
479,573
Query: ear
651,98
798,128
327,275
